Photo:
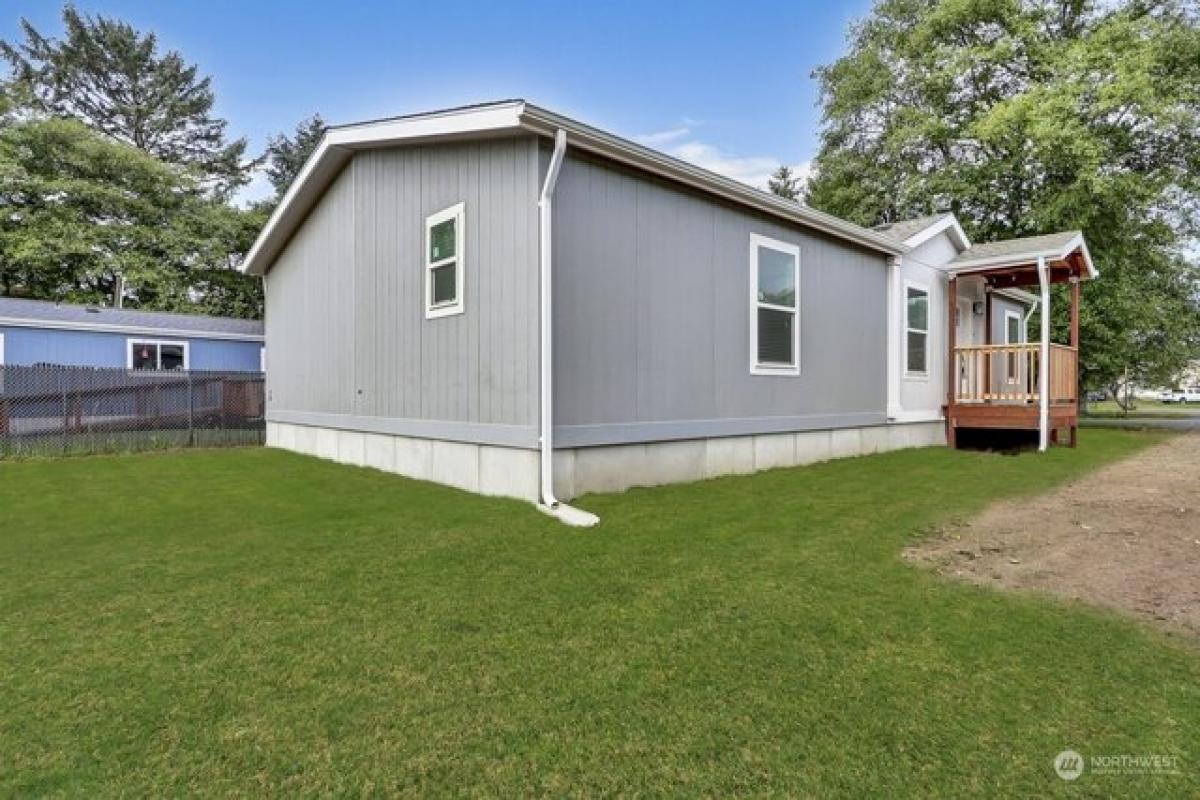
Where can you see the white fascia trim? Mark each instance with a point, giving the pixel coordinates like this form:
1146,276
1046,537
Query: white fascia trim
338,145
584,137
946,223
89,327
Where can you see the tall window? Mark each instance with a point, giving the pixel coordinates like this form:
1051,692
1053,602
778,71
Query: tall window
444,262
916,330
1012,335
155,354
775,318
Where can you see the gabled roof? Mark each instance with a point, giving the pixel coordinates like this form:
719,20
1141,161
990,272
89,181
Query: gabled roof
917,231
509,117
1027,250
19,312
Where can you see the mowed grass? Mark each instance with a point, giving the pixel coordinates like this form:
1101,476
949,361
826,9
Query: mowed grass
248,622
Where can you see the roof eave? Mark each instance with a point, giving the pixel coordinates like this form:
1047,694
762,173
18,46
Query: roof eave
545,123
338,145
948,223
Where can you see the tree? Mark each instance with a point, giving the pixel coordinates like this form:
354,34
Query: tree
81,209
1027,116
286,155
113,78
785,183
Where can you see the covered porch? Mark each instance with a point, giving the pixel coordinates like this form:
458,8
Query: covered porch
1018,383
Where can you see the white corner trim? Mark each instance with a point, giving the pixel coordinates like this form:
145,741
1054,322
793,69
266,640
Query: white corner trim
457,213
758,241
1,349
132,341
947,223
895,408
911,375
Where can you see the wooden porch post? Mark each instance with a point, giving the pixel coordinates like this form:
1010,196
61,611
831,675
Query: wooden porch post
1074,440
951,360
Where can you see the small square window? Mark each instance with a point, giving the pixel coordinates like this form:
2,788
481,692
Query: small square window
444,236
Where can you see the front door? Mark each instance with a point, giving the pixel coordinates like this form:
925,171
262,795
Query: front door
964,336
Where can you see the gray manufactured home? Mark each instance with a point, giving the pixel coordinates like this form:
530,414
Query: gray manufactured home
505,300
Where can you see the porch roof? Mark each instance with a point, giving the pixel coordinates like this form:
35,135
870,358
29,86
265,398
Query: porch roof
1066,253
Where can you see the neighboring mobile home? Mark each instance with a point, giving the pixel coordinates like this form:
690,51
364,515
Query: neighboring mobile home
37,332
503,299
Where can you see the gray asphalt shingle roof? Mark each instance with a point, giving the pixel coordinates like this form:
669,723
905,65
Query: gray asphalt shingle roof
62,313
905,228
1029,245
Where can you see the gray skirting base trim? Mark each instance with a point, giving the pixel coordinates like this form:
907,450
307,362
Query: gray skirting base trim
676,430
473,432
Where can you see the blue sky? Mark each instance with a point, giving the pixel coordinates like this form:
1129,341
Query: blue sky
727,85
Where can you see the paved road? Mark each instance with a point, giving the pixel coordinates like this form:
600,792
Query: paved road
1180,423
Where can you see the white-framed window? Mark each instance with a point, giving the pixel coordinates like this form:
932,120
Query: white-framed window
1012,335
156,354
774,307
1,349
916,330
444,237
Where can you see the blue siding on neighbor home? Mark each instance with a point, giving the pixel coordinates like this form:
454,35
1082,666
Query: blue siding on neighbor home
25,346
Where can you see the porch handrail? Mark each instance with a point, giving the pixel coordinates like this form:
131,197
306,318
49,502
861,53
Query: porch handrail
1008,373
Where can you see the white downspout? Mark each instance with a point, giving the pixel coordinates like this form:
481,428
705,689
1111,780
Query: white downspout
893,338
1044,360
549,503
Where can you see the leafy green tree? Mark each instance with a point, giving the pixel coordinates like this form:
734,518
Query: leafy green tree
113,77
785,183
286,155
1026,116
81,209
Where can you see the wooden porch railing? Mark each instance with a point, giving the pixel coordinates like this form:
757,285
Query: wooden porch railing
1008,373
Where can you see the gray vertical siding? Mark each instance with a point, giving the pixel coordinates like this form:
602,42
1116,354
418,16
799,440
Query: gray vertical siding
652,316
347,339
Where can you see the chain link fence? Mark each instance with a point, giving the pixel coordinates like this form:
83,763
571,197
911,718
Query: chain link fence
55,410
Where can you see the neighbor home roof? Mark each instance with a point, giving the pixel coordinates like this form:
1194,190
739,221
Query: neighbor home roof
1051,246
505,118
918,230
20,312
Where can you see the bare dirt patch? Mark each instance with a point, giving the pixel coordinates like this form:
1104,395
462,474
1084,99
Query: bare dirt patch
1126,537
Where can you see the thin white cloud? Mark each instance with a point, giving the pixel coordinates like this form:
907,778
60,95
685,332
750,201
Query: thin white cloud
682,143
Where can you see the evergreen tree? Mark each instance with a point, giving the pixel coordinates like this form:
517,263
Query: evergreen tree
113,78
286,155
785,183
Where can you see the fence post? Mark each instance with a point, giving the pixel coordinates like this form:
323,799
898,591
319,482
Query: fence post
66,419
191,428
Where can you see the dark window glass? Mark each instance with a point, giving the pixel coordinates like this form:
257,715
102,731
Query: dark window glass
916,351
172,356
145,356
775,336
443,286
442,241
918,309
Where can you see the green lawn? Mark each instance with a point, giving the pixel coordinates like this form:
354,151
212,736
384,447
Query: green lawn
250,621
1143,408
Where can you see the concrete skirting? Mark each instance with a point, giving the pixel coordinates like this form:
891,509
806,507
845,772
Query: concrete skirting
513,472
480,468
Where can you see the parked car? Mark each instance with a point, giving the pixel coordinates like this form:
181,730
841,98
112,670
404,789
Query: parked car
1189,395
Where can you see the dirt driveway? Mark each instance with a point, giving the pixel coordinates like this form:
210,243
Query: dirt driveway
1126,536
